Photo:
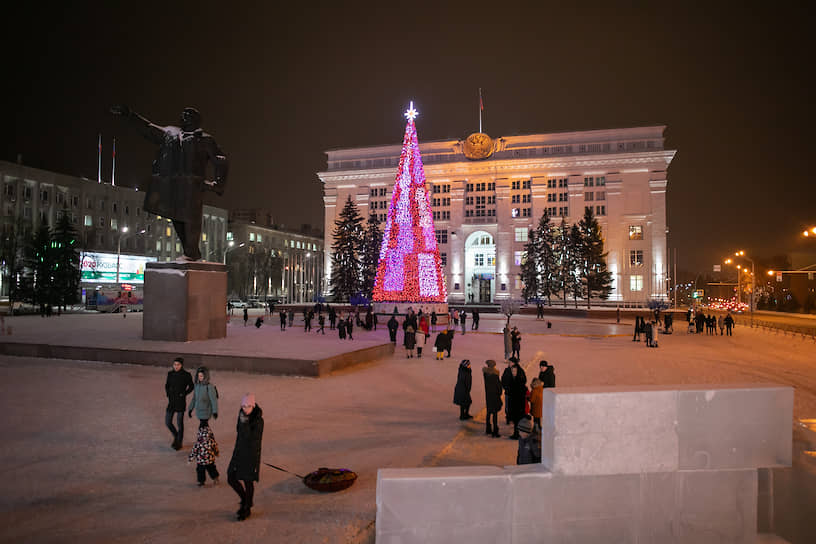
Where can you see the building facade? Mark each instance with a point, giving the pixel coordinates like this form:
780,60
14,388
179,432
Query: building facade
487,193
107,218
271,263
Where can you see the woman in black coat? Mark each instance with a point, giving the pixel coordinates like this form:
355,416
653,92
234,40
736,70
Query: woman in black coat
493,397
514,382
245,464
461,393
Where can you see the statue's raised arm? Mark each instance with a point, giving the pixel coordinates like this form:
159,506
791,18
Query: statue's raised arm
149,130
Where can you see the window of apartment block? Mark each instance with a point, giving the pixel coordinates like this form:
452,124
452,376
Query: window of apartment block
563,211
441,236
600,181
516,185
518,257
516,199
636,283
60,197
203,236
101,222
44,195
563,182
88,221
635,232
114,224
229,237
526,212
600,195
589,196
636,257
115,207
469,188
258,238
515,212
526,184
27,192
9,190
443,257
521,234
168,233
551,183
158,245
478,259
75,201
600,210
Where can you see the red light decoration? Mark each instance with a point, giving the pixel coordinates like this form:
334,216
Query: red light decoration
410,268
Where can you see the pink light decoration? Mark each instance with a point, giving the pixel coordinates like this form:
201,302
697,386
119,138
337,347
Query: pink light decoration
410,268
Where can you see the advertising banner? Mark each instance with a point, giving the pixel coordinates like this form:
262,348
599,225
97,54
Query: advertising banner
101,267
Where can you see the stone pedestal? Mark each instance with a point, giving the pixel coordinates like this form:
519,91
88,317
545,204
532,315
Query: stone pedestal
185,301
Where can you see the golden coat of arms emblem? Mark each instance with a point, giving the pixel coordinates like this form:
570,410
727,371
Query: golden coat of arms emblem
478,146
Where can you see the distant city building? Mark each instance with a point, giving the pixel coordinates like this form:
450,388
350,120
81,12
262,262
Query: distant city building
255,216
271,263
99,212
487,193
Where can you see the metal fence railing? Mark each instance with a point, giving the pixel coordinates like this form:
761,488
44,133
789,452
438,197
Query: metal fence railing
804,331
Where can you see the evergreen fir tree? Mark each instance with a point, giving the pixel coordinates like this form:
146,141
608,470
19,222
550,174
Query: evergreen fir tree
370,255
575,253
546,260
66,262
529,268
594,273
345,275
563,260
38,279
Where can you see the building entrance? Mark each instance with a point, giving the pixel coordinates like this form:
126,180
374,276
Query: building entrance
480,268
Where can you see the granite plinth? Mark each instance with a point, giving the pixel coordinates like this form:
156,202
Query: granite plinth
185,301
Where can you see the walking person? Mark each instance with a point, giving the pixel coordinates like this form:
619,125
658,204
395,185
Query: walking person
546,374
179,384
205,397
204,452
508,342
291,316
474,315
332,319
461,393
283,320
246,316
439,345
307,321
514,382
515,340
349,326
393,326
636,336
729,324
244,467
536,400
434,319
321,323
721,324
493,397
420,336
341,328
409,341
463,320
649,334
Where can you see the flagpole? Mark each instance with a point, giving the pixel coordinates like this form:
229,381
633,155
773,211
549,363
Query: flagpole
113,169
481,107
99,160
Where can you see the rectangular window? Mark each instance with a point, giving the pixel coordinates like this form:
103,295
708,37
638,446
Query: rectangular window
88,221
443,257
636,283
229,236
589,196
101,222
203,236
258,238
469,187
526,212
478,259
168,233
526,184
636,257
515,212
589,182
44,195
27,192
521,234
635,232
441,236
600,195
158,245
563,211
600,210
516,185
551,184
518,257
525,198
600,181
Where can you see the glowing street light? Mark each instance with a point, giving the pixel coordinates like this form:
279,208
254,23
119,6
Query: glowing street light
122,234
809,232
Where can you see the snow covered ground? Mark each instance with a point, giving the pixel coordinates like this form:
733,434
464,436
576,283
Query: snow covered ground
85,454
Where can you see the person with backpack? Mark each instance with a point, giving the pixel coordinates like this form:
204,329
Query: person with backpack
205,397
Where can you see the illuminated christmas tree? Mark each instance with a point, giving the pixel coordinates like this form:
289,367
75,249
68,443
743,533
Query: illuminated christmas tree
410,269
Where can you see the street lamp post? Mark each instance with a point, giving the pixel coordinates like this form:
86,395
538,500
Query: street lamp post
230,248
741,254
122,234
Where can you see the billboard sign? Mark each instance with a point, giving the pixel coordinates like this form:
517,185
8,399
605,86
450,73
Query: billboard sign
101,267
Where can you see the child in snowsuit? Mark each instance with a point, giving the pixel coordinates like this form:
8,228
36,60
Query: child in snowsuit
204,452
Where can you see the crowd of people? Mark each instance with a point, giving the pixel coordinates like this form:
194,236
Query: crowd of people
508,390
698,321
244,466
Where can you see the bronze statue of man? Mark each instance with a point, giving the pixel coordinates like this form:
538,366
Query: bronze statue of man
179,175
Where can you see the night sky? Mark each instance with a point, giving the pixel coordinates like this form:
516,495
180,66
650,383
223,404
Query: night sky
279,86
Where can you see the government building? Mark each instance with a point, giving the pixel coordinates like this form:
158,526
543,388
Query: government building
487,193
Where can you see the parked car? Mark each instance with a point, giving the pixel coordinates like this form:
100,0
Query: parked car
238,304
